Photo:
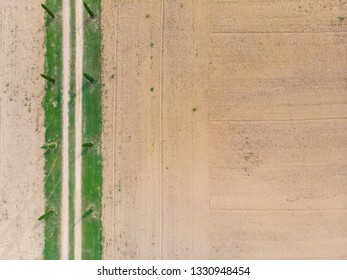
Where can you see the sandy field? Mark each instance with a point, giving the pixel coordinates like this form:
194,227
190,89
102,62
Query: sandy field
21,130
225,129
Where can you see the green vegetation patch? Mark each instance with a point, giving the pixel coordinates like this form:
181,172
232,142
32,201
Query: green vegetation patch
72,131
52,105
49,146
91,133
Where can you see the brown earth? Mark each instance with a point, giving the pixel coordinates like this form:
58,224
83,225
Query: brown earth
225,129
21,130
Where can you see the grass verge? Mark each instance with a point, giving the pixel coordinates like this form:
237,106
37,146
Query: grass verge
91,132
52,105
72,130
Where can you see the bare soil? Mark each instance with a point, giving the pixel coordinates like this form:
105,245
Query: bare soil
21,130
225,130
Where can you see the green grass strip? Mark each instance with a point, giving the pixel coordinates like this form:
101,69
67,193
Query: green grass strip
72,130
91,132
52,105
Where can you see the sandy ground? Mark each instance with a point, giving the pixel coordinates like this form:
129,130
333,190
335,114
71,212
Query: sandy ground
21,130
259,169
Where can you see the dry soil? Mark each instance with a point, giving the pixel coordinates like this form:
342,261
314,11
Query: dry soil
225,129
21,130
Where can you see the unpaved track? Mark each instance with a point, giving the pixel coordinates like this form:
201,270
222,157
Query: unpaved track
259,169
66,90
78,130
21,129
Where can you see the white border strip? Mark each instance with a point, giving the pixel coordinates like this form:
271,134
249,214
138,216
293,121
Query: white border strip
78,129
64,254
181,270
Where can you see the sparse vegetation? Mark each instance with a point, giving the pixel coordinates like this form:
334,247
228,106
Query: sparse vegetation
152,44
46,215
48,78
151,89
341,19
48,10
194,109
89,78
89,10
147,16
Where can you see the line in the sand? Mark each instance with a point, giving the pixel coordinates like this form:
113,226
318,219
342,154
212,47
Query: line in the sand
78,130
65,175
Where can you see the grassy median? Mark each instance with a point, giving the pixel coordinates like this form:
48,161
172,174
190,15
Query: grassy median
91,133
52,105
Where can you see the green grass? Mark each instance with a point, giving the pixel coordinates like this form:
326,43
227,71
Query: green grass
72,132
91,132
52,105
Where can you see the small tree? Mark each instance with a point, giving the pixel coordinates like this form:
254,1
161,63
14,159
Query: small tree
89,10
46,215
48,78
49,146
88,145
87,213
89,78
48,10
